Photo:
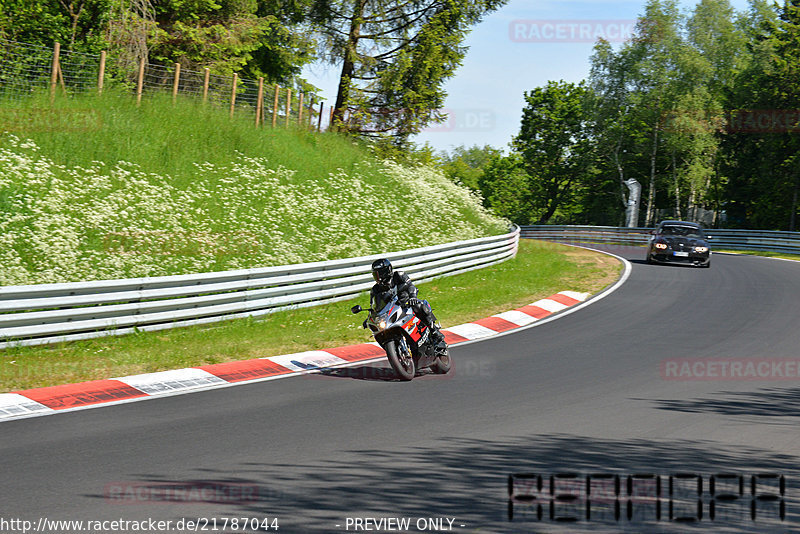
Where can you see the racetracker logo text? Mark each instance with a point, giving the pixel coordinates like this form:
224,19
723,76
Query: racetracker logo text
182,492
730,369
570,31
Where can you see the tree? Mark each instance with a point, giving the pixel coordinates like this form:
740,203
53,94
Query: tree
611,117
760,156
505,187
466,165
555,146
78,24
717,54
252,37
656,77
395,58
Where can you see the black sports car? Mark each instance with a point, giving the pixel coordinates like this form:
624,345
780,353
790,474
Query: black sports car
679,241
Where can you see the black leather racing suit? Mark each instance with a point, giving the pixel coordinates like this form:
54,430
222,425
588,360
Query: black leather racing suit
406,291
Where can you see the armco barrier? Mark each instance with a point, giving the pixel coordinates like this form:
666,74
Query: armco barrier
730,239
51,313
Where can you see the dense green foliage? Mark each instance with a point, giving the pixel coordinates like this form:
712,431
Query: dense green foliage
466,165
251,37
701,108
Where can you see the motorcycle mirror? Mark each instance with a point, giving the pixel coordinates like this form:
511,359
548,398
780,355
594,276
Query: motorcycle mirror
356,308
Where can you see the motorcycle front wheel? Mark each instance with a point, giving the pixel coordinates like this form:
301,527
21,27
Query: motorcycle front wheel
400,360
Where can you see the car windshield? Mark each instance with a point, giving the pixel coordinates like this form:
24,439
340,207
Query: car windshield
684,231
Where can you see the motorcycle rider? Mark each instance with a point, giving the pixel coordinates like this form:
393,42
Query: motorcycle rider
387,279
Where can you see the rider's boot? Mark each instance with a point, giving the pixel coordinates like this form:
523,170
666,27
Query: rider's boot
436,335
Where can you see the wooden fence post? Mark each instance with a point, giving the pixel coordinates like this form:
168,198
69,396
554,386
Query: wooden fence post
319,119
61,79
206,73
233,91
260,103
300,110
101,74
140,82
288,105
275,105
176,82
54,70
330,119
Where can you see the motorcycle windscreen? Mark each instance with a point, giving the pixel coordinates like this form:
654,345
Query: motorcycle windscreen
380,300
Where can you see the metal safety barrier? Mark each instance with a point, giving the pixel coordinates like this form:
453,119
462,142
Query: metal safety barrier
51,313
727,239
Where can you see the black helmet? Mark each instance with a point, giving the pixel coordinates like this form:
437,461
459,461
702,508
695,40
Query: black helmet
382,271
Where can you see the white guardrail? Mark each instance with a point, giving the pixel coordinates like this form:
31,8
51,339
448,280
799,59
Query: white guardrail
51,313
726,239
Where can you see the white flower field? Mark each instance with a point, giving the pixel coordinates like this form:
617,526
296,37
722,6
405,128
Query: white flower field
114,220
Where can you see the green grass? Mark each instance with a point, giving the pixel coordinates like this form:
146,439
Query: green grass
764,253
539,270
168,138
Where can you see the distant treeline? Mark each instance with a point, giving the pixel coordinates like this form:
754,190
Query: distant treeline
701,108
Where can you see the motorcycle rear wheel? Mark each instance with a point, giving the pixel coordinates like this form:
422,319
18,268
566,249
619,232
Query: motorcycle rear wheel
403,364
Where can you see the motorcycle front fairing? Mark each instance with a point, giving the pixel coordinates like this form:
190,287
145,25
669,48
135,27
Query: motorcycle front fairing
393,317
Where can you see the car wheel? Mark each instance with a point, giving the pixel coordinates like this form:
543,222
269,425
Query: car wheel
648,259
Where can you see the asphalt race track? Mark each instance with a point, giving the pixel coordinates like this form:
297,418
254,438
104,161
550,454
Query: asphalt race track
585,394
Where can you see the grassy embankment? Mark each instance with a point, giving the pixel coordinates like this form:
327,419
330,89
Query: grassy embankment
167,189
170,189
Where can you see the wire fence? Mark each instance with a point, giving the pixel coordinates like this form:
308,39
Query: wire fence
26,70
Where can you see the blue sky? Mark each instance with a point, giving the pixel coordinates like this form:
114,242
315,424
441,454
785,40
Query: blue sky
485,97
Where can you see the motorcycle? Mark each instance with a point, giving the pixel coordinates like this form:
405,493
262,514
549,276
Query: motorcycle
405,338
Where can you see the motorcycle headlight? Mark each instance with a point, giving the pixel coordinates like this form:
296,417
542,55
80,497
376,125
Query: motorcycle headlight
701,249
382,324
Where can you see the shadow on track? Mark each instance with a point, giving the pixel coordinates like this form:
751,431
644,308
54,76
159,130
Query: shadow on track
467,479
766,402
368,372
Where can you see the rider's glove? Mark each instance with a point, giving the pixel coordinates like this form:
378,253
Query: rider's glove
364,324
414,302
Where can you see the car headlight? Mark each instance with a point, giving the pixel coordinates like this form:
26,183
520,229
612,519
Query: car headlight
661,246
701,249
